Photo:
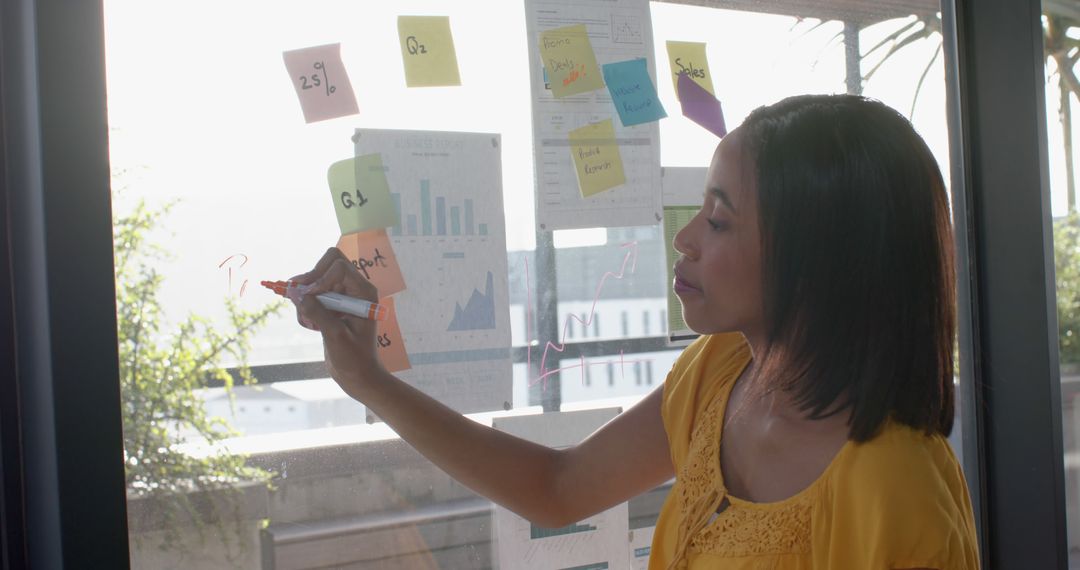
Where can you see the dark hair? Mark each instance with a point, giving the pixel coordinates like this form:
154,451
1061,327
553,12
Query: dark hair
857,263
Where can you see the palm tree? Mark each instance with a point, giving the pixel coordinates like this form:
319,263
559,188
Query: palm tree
1060,19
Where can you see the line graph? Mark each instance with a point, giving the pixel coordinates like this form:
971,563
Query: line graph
631,259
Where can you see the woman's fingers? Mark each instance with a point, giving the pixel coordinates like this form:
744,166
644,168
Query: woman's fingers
325,262
326,321
333,272
342,277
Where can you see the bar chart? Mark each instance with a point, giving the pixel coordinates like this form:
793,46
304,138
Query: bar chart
431,221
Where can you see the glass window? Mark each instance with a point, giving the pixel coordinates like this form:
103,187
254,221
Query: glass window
1062,31
220,183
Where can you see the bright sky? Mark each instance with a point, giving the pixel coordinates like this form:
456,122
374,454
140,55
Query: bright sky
201,108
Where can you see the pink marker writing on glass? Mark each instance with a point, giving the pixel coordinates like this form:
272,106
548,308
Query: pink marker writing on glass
332,301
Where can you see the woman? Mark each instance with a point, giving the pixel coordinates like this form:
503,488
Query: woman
806,427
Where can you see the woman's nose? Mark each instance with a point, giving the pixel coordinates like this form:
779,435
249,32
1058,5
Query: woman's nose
683,242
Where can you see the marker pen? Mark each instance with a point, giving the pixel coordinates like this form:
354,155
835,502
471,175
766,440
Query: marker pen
333,301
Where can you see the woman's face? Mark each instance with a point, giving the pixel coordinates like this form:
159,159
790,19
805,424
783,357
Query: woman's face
718,276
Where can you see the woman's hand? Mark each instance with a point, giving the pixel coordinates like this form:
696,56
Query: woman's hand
348,341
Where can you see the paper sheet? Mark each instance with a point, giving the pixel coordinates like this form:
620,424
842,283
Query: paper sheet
683,191
596,158
619,30
640,547
599,541
427,51
632,92
451,245
373,256
319,77
360,194
689,59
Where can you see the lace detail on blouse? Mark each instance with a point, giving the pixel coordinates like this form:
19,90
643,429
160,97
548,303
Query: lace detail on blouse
739,530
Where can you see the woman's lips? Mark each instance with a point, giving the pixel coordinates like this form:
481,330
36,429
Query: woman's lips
681,286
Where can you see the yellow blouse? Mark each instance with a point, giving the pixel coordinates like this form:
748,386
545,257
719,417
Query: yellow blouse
896,501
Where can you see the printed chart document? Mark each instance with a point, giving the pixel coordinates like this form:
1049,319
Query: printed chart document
618,31
641,547
597,543
449,238
683,194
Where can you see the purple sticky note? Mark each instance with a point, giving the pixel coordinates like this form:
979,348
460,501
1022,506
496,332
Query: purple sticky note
319,77
700,106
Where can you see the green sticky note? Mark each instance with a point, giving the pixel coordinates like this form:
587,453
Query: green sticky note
675,219
596,158
688,58
569,61
361,194
427,49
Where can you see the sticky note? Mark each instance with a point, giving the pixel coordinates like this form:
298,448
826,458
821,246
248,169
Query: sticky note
596,158
569,61
688,58
318,75
361,194
632,92
373,256
427,49
700,106
390,343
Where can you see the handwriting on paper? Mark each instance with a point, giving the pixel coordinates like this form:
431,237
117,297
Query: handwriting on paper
427,50
596,158
361,194
373,256
632,92
569,61
321,83
689,59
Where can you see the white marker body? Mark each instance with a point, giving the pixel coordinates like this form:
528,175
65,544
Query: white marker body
351,305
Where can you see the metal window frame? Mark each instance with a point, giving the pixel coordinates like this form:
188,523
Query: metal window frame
1005,228
62,363
59,239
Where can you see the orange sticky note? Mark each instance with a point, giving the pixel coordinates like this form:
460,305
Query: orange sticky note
390,342
373,256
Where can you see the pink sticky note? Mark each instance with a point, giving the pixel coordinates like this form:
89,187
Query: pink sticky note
372,255
391,344
319,77
700,106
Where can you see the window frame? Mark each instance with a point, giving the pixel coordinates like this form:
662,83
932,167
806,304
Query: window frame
1010,319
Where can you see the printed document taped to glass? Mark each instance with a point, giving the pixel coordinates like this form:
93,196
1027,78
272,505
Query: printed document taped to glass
618,30
450,241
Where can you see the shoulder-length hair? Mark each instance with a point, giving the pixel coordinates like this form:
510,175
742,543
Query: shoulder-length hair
857,263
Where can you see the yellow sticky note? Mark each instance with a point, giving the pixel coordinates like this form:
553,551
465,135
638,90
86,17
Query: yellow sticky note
427,48
596,157
361,194
688,58
569,61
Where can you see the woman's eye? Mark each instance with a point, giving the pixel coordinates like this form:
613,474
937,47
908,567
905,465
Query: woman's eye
718,225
